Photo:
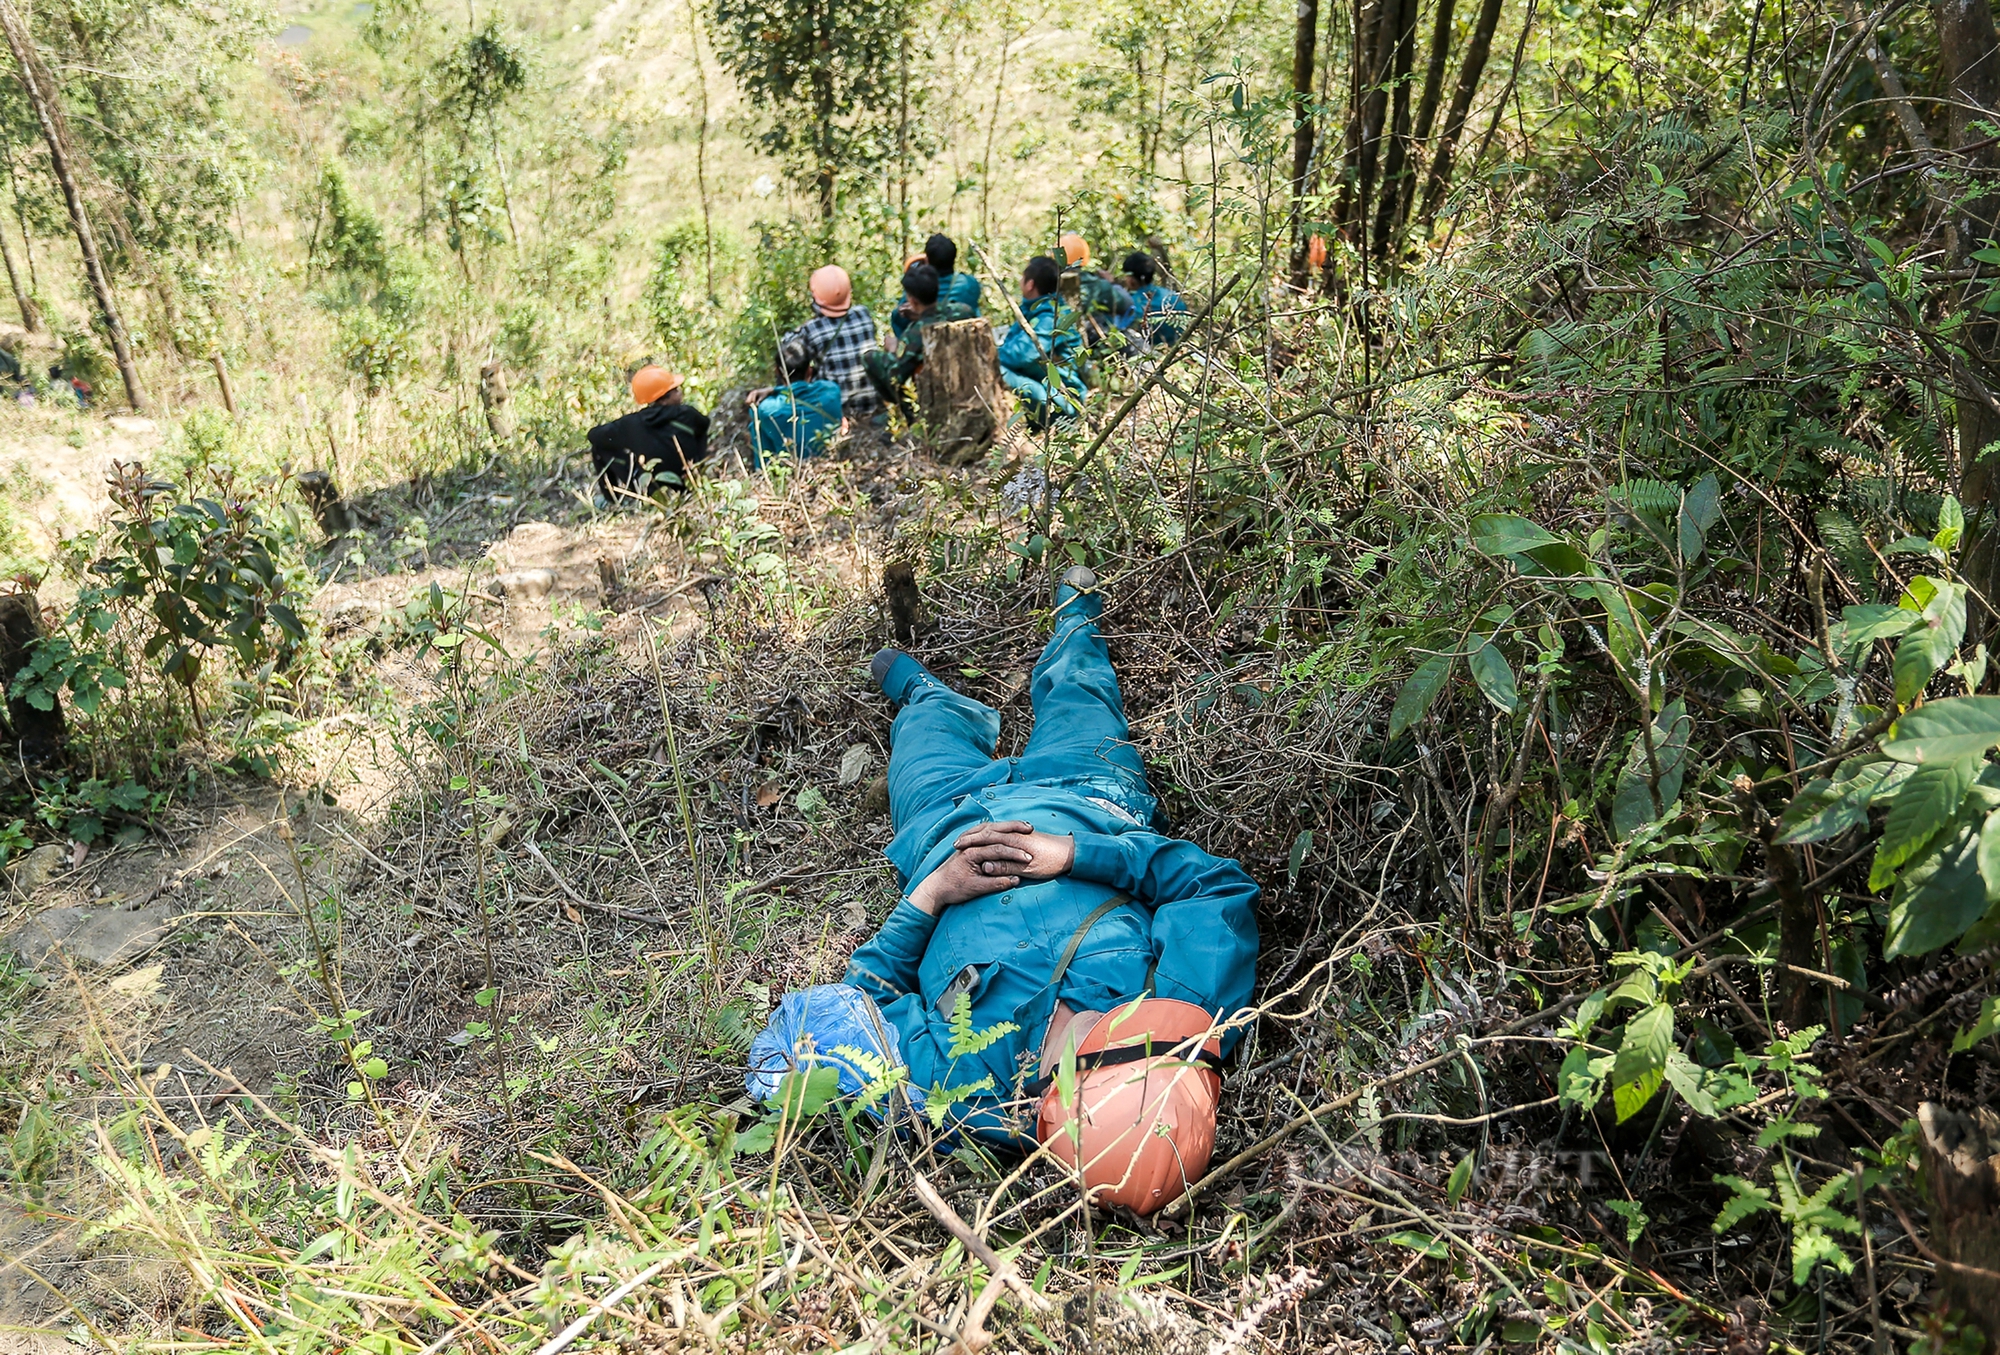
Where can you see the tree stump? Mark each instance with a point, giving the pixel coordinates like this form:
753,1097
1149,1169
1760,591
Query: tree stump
959,393
322,496
38,732
494,395
1962,1165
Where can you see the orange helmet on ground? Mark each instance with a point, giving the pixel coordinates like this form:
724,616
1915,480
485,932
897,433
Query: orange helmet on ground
650,383
1141,1123
832,290
1075,249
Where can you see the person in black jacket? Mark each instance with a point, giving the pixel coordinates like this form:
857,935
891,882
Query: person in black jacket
655,444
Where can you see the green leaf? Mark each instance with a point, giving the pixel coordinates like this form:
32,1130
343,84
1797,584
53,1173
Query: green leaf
1926,803
1419,692
807,1092
1945,731
1434,1247
1700,510
374,1069
1827,807
1507,534
1875,621
1944,619
1632,806
1300,846
1915,666
1937,897
1461,1177
1690,1080
1985,1028
1495,678
1580,1080
759,1137
1641,1064
1951,524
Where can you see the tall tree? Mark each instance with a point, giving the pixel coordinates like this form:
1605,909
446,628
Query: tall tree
825,71
1396,161
1969,49
1305,36
1437,182
45,99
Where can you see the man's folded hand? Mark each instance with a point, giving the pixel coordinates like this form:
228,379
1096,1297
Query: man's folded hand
971,873
1043,856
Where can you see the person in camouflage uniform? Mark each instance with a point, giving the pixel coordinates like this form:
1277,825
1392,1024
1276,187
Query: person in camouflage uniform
920,310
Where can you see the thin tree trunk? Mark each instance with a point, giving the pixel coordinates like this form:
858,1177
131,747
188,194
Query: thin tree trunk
500,172
992,124
1440,57
112,125
1305,37
31,319
1371,113
701,148
47,105
1395,166
21,215
903,139
1438,181
1970,51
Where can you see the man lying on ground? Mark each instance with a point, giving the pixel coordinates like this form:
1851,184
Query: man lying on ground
1038,358
1044,912
922,307
797,417
839,338
654,445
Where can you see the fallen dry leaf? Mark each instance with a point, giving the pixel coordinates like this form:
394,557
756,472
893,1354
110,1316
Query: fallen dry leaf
769,794
858,758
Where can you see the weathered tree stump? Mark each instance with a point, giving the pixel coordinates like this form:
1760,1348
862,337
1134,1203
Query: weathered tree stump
1962,1165
959,393
322,496
899,581
38,732
497,399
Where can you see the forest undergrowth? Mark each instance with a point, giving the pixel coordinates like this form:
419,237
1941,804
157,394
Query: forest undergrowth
1567,587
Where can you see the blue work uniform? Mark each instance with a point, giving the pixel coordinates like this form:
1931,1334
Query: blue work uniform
1179,918
960,287
796,420
1157,310
1027,356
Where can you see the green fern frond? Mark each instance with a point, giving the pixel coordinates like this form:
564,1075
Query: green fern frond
965,1041
938,1101
1749,1199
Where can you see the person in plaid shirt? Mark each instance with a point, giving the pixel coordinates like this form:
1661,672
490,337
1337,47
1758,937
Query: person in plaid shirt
839,338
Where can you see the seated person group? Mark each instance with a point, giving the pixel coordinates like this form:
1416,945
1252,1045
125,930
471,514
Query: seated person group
833,371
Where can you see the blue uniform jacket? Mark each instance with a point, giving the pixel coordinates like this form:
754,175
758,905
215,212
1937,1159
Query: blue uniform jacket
960,287
796,420
1189,925
1022,352
1160,307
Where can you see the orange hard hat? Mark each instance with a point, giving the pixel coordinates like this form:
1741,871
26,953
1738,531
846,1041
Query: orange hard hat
1075,249
650,383
1140,1124
831,289
1316,251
